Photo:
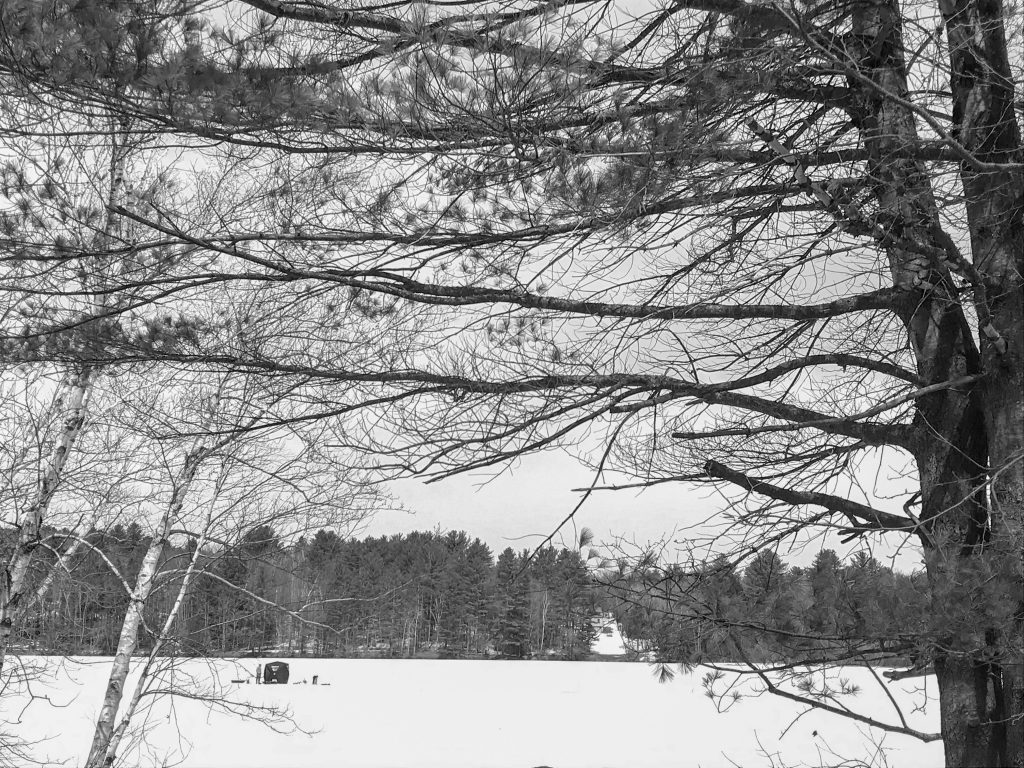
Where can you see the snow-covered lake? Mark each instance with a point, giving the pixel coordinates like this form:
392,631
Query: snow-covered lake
391,713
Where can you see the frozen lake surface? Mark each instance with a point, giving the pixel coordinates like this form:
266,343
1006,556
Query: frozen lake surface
477,714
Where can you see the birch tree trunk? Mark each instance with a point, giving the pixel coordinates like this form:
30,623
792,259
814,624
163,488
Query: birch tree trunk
165,631
99,753
77,386
13,580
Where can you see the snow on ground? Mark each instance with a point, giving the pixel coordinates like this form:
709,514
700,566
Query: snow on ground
476,714
609,640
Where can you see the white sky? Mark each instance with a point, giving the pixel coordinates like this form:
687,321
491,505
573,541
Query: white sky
521,506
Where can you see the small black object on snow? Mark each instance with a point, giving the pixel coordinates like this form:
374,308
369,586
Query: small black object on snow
275,672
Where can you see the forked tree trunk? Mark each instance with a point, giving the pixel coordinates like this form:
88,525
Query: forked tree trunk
165,632
129,637
13,580
984,119
971,454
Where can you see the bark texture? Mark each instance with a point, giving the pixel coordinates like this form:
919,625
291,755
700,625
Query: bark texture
969,445
99,753
13,580
983,683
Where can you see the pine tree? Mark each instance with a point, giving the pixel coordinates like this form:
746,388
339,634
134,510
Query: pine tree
826,584
512,631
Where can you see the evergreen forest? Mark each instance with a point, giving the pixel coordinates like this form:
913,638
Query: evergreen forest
768,611
444,594
418,594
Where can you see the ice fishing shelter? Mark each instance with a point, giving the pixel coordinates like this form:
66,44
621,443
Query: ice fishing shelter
275,672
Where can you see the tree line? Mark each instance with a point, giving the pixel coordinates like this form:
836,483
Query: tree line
769,611
424,593
444,594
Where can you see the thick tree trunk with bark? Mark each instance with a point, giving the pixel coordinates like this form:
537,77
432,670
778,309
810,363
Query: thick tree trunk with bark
985,123
970,450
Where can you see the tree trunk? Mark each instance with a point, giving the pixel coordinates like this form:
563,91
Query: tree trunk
985,123
970,738
165,632
129,636
970,454
14,577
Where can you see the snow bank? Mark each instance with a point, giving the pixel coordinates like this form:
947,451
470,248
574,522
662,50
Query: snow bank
476,714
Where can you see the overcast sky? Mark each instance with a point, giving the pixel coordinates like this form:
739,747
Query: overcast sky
521,506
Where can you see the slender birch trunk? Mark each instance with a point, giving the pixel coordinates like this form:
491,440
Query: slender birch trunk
78,384
165,632
129,637
13,580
